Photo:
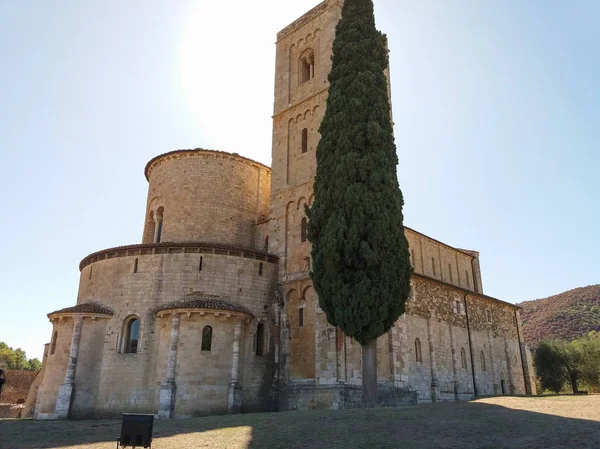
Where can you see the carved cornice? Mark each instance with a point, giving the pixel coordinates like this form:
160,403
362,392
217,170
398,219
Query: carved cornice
177,248
181,154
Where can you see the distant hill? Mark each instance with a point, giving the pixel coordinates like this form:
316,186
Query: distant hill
566,316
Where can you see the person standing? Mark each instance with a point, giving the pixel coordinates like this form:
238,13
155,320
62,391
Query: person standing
2,381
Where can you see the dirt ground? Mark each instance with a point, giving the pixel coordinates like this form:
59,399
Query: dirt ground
565,422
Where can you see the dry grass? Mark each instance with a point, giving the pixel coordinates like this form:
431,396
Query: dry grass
506,422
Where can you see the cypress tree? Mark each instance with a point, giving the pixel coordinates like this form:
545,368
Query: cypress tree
361,267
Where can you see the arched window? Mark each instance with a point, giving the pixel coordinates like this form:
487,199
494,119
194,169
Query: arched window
206,338
53,344
159,224
418,354
304,140
260,339
483,367
132,335
307,68
150,228
303,229
463,358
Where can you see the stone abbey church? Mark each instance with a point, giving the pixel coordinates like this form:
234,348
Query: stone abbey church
214,312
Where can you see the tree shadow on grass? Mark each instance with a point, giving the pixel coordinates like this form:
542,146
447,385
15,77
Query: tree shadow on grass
446,425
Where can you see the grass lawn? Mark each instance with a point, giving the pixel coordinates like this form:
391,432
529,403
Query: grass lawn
565,422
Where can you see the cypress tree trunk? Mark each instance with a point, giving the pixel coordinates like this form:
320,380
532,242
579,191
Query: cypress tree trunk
573,379
369,373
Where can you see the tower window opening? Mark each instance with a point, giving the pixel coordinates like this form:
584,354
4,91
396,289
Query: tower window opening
260,339
260,269
303,229
150,228
135,265
307,68
304,140
159,224
132,336
200,264
206,338
91,271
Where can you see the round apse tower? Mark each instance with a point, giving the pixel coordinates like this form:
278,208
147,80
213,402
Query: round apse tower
179,325
208,196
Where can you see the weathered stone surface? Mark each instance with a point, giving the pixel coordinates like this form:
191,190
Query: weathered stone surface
236,246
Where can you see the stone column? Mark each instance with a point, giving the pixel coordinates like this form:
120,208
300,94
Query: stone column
65,391
168,390
434,386
235,388
492,367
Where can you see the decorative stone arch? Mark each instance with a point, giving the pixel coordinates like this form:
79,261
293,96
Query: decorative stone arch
306,66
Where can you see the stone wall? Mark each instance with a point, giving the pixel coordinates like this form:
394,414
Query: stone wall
206,196
17,386
109,381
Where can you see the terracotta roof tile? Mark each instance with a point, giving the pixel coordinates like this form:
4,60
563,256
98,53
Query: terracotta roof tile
198,300
89,307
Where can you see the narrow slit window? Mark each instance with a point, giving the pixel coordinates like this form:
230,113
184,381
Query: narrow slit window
433,265
135,265
267,244
463,358
301,317
418,354
206,338
488,315
260,269
304,140
91,271
260,339
303,229
200,264
483,367
467,278
53,345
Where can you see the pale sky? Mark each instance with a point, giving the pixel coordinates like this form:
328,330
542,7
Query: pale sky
496,108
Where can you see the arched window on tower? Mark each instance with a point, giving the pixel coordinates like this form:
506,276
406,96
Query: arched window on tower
463,358
418,354
304,140
150,228
307,67
132,335
159,224
206,338
260,339
303,229
53,344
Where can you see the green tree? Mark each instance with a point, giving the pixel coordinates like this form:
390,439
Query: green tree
548,367
16,359
558,362
361,268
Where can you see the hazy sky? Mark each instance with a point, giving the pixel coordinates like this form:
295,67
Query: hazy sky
496,108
